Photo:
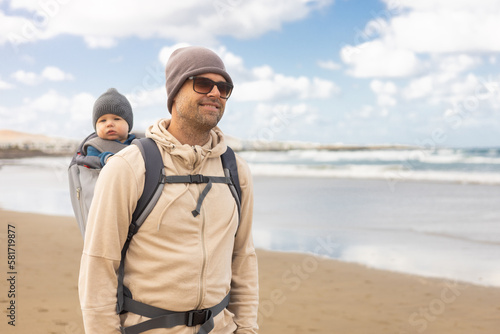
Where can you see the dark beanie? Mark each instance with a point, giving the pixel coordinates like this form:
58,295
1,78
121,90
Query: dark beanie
187,62
114,103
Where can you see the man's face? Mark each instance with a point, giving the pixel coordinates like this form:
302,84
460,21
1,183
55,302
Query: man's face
200,111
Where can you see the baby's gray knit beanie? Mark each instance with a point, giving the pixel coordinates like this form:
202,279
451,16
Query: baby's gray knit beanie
187,62
114,103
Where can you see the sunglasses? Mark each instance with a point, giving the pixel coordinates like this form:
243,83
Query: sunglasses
205,85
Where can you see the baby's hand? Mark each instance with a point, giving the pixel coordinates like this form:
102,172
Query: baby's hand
107,158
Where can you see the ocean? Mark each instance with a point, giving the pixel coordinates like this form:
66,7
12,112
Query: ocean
433,213
473,165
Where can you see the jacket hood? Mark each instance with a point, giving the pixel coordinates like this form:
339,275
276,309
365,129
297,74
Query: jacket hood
215,146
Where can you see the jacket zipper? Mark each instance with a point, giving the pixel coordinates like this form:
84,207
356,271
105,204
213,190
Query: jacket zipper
204,253
204,263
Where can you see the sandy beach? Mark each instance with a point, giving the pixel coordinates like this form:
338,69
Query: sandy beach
300,293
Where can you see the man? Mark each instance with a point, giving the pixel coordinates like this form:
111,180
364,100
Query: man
179,260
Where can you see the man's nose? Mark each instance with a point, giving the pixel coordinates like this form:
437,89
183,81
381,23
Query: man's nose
214,92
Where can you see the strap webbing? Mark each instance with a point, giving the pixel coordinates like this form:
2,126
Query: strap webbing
197,178
161,318
203,194
154,171
229,162
153,186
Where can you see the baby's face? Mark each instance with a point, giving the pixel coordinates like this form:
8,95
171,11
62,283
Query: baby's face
112,127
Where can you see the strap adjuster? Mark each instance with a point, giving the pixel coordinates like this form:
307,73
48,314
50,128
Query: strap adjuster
197,178
132,229
197,317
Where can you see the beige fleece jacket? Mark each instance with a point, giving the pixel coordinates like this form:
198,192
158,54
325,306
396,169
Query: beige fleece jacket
176,261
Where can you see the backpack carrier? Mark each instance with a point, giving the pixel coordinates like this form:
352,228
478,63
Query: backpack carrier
83,173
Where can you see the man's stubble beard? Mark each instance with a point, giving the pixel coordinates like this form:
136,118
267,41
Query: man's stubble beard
190,113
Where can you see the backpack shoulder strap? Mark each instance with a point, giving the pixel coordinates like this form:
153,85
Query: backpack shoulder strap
79,150
152,184
229,162
153,187
231,168
80,158
104,145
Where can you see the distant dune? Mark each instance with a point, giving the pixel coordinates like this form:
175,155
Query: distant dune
16,144
11,136
27,144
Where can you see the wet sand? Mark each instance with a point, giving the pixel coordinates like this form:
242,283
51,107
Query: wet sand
299,293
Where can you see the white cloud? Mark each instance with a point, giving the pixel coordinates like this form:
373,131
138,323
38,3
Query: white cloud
322,89
461,90
10,28
51,102
279,87
365,111
386,101
442,83
142,98
437,26
53,73
429,5
470,92
419,88
95,42
272,120
49,73
253,18
457,63
263,72
54,114
385,92
27,78
392,45
5,85
80,107
375,59
381,87
195,21
445,31
329,65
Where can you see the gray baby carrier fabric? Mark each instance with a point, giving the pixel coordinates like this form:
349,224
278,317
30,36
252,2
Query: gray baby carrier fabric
83,172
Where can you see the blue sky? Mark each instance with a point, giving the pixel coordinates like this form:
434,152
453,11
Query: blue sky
344,71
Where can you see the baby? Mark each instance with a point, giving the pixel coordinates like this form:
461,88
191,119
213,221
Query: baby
112,119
